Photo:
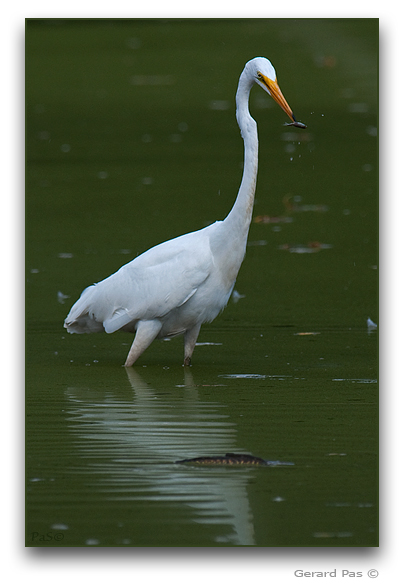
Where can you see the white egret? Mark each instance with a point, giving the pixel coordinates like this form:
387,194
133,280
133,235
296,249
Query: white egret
176,286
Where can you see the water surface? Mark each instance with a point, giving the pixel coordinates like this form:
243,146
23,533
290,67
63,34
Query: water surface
132,140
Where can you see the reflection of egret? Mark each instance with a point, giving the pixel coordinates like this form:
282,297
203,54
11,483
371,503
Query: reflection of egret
176,286
128,443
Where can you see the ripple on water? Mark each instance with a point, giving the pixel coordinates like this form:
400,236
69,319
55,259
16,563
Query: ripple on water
253,376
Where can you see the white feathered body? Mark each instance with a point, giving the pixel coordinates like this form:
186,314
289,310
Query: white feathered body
176,286
181,282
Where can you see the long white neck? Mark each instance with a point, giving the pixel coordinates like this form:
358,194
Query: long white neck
239,219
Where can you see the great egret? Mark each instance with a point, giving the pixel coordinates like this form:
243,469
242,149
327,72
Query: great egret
176,286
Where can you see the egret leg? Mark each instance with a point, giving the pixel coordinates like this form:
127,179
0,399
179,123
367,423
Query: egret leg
190,337
146,332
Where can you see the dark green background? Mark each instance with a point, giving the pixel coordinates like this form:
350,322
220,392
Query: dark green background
124,150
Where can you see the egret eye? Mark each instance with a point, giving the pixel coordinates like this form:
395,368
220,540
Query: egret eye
259,76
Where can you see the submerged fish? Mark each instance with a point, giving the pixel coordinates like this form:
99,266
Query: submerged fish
234,459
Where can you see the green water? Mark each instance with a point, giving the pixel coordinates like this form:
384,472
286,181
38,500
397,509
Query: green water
131,140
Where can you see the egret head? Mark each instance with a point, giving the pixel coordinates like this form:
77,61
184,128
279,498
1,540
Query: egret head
263,73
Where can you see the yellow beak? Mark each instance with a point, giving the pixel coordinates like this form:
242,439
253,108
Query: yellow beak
274,91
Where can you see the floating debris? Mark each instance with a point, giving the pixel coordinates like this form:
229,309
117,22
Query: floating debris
236,296
273,219
62,297
65,255
332,534
310,248
371,325
234,459
254,376
308,333
356,380
92,542
292,204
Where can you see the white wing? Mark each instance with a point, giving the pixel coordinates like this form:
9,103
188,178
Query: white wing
148,287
